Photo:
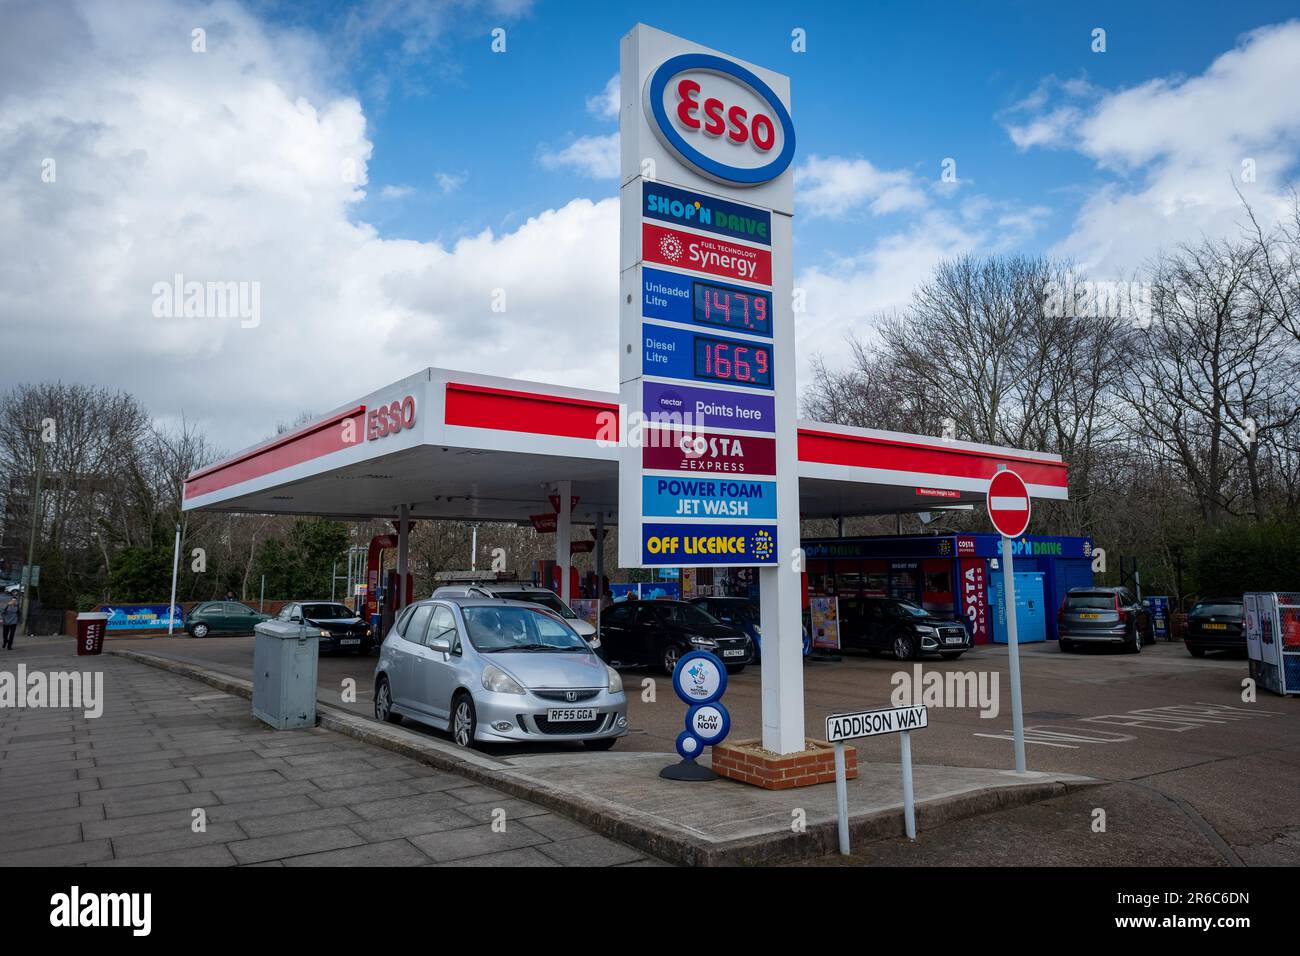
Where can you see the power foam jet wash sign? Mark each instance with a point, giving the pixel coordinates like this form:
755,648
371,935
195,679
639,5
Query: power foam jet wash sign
708,357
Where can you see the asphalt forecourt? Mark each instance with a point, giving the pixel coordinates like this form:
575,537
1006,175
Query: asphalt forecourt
1172,726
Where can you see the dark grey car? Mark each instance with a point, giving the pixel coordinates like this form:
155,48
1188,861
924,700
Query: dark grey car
1104,616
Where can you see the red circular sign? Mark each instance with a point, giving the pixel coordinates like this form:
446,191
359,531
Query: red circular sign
1008,503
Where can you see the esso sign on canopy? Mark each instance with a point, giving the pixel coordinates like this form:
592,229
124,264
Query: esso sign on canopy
385,420
720,119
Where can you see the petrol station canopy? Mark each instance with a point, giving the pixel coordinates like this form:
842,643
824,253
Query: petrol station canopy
483,448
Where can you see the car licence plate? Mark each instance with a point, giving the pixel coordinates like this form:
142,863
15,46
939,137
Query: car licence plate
952,640
740,653
561,715
1215,627
1089,617
350,640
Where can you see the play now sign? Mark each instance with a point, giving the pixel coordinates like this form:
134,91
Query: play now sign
873,723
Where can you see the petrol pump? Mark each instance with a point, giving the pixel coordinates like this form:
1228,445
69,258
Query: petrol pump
382,588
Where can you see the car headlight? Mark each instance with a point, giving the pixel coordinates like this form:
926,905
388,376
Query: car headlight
615,681
703,642
324,633
499,682
928,631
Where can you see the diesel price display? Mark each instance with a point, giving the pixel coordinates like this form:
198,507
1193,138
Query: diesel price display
724,360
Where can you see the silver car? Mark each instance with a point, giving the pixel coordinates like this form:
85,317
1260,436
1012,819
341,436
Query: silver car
495,670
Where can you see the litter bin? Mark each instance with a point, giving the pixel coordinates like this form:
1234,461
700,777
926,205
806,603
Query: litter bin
284,675
90,632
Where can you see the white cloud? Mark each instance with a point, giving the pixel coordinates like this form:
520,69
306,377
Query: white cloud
833,186
1173,149
242,165
593,156
449,182
395,192
605,104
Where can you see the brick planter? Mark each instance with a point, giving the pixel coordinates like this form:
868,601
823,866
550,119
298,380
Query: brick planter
747,762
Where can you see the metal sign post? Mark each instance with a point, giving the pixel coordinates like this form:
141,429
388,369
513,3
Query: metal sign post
875,723
1009,509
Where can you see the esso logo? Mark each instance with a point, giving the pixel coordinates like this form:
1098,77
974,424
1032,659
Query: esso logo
390,419
720,118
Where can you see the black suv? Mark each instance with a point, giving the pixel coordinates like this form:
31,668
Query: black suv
1104,616
904,628
660,632
1214,624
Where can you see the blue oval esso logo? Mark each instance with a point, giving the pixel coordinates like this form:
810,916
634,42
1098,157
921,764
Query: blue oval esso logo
720,119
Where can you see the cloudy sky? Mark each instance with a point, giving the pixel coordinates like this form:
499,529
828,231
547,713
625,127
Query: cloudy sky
378,172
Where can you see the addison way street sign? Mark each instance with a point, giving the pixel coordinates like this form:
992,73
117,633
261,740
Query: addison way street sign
875,723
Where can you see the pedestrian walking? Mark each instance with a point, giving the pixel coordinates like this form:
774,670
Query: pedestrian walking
9,621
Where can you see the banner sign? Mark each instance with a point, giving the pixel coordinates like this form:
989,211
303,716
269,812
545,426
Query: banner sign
141,617
974,598
709,408
709,544
669,297
825,612
698,211
668,450
716,257
666,496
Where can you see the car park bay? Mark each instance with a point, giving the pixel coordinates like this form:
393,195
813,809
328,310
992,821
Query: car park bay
1163,723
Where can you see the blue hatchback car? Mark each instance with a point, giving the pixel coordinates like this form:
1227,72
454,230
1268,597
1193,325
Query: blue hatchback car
743,613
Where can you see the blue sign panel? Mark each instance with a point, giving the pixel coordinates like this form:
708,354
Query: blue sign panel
666,496
680,353
707,213
138,617
697,544
693,407
699,301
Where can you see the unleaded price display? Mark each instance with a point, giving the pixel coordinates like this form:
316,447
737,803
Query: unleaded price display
730,308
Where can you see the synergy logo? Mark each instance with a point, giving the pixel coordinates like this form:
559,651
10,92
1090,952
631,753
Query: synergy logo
720,119
699,211
703,254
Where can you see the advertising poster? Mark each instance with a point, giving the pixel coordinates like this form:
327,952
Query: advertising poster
688,583
974,598
586,608
141,617
825,621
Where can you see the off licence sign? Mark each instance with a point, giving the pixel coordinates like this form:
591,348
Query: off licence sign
874,723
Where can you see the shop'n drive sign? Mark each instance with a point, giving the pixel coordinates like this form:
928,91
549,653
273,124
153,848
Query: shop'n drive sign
706,334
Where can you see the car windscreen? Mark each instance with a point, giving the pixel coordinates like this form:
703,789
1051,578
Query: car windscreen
544,598
1103,601
495,629
692,616
327,612
902,609
1216,609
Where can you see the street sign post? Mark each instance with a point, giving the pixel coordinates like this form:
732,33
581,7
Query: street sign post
1009,509
874,723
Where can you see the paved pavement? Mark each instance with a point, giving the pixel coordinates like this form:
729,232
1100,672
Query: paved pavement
1172,734
176,773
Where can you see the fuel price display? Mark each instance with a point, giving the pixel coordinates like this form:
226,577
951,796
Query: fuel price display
724,360
741,310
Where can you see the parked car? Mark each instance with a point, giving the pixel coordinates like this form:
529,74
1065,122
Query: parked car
1110,616
338,626
1215,624
514,591
660,632
222,617
744,614
492,670
905,629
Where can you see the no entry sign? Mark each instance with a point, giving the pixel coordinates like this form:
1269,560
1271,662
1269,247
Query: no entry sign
1008,503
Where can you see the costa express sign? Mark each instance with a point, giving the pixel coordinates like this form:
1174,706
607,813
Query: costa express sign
720,119
385,420
669,450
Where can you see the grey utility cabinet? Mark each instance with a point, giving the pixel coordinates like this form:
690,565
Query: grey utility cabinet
284,675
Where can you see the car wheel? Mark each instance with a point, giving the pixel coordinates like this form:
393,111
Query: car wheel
604,743
463,720
671,655
200,630
735,668
952,657
1195,651
384,703
904,646
1135,646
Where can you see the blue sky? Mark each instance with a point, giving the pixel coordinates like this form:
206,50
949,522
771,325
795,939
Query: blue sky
901,84
379,174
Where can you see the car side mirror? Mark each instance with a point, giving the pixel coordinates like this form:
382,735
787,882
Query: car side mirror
440,645
295,619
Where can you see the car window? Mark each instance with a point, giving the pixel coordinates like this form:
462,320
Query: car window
415,626
327,612
545,598
1093,601
442,627
617,615
651,614
1217,608
239,609
496,629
